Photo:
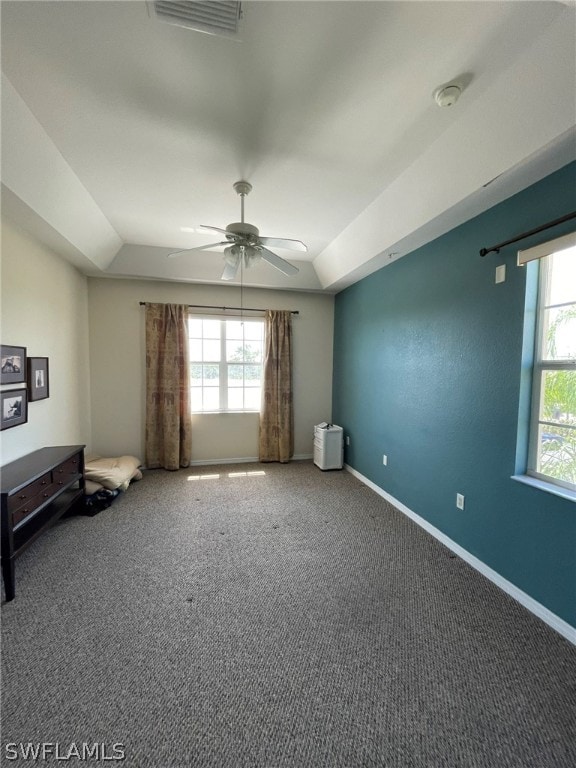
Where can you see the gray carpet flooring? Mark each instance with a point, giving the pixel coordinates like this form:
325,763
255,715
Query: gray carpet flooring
274,616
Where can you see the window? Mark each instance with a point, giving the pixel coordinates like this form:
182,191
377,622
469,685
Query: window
225,363
552,450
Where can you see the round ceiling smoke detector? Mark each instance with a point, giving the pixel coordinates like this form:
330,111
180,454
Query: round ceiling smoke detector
447,95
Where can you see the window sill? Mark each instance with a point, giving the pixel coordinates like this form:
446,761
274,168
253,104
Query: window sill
220,413
557,490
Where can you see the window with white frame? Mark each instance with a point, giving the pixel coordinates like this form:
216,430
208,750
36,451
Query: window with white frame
225,363
552,450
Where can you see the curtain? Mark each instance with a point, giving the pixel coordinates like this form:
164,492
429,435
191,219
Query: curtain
276,413
168,418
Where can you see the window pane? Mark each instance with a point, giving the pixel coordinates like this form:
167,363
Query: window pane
558,398
562,279
236,399
196,375
559,328
557,453
252,397
211,375
195,349
211,399
211,350
196,398
235,375
234,329
253,331
252,375
195,327
211,329
234,352
253,352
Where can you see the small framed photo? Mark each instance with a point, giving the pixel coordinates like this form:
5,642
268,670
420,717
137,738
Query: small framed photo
13,408
12,364
38,378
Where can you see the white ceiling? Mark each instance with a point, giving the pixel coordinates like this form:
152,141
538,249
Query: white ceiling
119,131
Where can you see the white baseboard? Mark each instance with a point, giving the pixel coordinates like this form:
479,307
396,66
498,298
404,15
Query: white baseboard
539,610
209,462
245,460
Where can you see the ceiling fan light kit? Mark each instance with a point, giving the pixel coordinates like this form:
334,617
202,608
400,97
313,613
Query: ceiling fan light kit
244,244
235,252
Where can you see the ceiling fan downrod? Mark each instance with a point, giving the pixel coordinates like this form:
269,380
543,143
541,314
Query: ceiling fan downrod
242,188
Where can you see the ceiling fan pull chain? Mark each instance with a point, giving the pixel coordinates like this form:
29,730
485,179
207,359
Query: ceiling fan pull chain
242,285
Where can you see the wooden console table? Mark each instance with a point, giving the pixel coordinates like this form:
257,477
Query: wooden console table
37,490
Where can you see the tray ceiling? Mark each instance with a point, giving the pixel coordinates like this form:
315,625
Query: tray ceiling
121,133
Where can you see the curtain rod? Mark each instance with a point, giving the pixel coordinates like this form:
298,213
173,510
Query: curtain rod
236,309
496,248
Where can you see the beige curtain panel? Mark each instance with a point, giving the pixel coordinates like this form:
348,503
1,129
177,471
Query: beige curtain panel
276,413
168,418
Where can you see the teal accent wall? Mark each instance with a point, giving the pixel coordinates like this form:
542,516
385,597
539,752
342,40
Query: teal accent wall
428,356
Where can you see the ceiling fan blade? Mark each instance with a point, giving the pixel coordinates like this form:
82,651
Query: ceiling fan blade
229,235
230,271
197,248
276,261
280,242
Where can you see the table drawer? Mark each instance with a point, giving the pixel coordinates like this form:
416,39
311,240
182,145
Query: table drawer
69,467
32,505
24,496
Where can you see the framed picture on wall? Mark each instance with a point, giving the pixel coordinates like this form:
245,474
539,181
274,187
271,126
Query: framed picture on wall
38,388
12,364
13,408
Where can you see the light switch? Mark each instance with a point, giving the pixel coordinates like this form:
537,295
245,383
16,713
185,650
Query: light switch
501,273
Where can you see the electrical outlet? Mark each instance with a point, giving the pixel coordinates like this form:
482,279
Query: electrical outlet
385,460
460,501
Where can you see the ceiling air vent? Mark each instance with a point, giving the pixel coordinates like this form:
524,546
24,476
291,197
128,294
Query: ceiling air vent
215,18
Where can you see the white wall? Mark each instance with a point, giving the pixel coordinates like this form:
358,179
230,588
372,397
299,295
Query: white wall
118,374
44,308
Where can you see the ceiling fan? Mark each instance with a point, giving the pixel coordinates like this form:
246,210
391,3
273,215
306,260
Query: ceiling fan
245,245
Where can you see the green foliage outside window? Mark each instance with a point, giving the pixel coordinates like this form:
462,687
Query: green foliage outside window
558,405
